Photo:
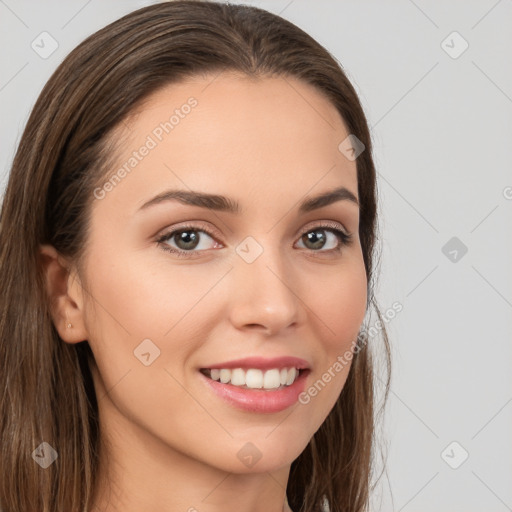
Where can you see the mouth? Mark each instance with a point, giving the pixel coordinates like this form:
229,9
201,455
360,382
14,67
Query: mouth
272,379
256,390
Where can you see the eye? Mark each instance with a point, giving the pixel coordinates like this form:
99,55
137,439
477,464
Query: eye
189,240
316,238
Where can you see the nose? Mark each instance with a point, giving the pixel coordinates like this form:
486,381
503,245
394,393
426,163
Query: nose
265,294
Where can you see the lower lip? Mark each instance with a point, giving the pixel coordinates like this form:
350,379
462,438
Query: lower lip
259,400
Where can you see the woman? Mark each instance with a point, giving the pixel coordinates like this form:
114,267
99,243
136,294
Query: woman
187,258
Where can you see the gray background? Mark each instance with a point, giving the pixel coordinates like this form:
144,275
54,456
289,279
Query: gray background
442,131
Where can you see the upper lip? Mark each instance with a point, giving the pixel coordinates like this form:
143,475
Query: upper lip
263,363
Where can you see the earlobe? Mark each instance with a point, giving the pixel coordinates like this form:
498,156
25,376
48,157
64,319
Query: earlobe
64,295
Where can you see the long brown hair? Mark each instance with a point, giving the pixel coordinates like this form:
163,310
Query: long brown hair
46,387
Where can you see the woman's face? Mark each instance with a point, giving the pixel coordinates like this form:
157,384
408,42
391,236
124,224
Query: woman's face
268,281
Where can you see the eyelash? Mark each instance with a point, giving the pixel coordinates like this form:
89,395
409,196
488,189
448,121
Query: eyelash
345,239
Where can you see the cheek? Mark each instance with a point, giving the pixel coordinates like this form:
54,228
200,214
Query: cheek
141,309
352,309
340,303
136,299
341,306
144,297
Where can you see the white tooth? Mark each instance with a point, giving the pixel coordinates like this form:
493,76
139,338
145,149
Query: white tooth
254,378
237,377
291,376
225,376
272,379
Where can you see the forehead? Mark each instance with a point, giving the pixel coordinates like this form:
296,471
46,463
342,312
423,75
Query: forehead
232,133
263,111
230,90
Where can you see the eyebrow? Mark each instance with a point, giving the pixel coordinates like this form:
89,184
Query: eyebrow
226,204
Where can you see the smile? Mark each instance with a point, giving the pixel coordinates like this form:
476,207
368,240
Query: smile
254,378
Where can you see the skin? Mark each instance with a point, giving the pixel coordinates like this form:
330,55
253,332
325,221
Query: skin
268,143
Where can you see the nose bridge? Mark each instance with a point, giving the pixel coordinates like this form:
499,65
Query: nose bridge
264,293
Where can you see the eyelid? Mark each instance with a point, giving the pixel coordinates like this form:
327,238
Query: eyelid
196,225
193,224
324,223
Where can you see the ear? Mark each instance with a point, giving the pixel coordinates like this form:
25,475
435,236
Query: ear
65,294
